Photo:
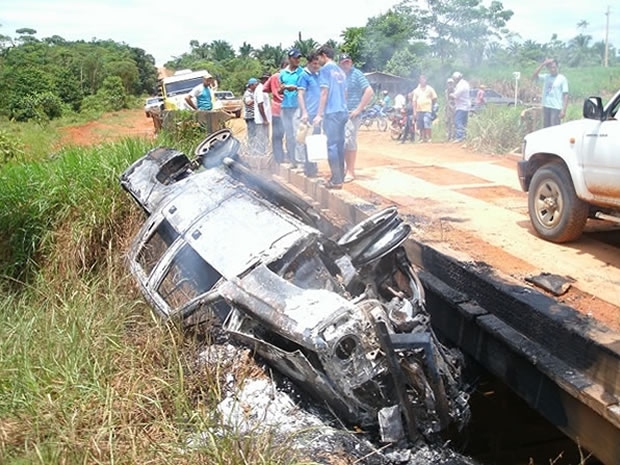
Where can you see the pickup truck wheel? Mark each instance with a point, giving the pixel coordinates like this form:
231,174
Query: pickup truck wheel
555,211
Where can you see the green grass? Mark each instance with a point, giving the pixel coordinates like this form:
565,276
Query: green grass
582,82
87,373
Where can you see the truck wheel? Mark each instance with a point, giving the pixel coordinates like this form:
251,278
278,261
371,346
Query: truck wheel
555,211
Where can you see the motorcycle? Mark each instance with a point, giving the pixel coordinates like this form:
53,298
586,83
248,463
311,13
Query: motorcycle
375,114
398,121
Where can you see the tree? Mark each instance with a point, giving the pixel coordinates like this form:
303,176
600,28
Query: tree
305,46
391,31
353,44
466,26
221,50
579,53
404,63
245,50
270,56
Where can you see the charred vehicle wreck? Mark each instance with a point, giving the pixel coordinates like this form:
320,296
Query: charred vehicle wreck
344,319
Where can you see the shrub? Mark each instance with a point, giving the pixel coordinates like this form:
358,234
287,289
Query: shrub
41,106
496,129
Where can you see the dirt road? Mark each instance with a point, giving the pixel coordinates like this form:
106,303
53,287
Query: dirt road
472,204
467,203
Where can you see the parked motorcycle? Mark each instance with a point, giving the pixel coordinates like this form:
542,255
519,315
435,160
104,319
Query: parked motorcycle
375,114
398,121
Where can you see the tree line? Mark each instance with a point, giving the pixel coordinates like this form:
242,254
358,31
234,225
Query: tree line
43,78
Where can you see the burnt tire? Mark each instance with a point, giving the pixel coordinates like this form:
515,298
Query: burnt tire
556,213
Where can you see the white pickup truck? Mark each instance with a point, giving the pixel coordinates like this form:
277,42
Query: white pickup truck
572,172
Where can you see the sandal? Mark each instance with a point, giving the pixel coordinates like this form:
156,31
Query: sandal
331,185
349,178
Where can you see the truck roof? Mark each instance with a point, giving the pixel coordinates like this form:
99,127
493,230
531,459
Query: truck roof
185,76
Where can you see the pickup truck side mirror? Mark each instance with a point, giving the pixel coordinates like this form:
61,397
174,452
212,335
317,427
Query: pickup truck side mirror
593,108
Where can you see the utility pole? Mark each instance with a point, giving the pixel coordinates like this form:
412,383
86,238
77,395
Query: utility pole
606,60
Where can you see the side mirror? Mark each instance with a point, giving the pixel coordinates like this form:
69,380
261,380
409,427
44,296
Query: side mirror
593,108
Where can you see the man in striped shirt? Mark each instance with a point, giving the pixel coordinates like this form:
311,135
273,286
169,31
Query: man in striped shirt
359,94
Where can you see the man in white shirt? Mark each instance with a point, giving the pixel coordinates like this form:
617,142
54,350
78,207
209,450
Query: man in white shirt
262,117
462,103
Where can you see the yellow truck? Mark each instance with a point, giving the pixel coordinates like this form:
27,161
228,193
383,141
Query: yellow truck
174,88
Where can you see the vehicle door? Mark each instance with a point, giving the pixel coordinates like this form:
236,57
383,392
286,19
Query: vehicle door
601,155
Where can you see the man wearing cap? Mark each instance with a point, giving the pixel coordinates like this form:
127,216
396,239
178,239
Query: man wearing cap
359,94
202,94
332,113
290,106
462,105
248,110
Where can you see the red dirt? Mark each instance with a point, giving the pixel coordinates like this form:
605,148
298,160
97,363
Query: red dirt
125,123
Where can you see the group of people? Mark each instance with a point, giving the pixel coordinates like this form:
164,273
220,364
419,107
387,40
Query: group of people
326,96
420,108
329,97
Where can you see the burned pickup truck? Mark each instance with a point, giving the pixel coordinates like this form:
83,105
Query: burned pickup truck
343,318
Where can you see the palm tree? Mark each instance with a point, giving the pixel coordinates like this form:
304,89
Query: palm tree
245,51
270,56
305,46
221,50
579,50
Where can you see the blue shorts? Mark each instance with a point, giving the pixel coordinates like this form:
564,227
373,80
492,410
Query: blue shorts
424,120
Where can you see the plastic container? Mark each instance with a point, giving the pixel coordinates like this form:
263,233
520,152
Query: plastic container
316,144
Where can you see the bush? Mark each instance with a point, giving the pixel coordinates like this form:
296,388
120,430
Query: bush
496,129
42,106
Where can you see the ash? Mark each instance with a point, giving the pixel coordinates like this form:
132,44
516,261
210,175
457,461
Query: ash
261,405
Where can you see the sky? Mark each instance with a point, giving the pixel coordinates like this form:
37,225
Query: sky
164,29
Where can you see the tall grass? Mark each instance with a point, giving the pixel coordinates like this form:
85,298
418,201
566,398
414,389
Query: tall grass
496,129
87,375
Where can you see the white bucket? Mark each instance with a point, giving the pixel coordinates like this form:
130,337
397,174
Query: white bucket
316,144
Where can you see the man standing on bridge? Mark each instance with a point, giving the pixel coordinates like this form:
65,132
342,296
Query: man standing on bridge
359,94
202,94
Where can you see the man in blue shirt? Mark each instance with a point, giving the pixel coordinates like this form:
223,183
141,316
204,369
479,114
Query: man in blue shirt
202,94
555,93
332,113
359,95
309,96
290,106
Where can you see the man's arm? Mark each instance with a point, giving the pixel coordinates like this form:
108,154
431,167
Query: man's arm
302,104
322,105
540,66
564,105
190,101
261,110
366,97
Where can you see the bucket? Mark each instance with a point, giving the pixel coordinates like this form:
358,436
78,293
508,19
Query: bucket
316,144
